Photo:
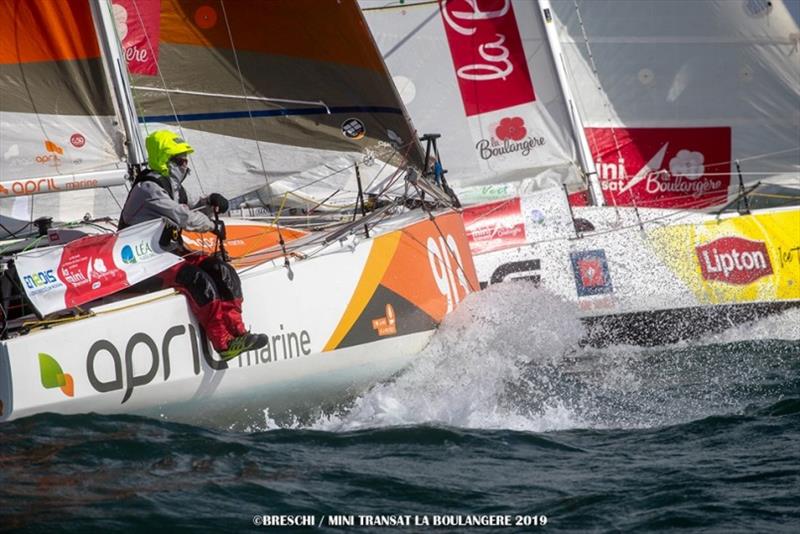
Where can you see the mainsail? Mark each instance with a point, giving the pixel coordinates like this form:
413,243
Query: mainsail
208,70
674,93
59,129
482,75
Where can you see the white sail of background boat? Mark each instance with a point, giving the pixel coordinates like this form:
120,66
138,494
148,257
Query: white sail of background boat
656,123
342,307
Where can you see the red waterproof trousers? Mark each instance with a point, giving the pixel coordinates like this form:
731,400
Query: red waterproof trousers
214,292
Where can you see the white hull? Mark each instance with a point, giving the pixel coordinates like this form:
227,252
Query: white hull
147,355
661,261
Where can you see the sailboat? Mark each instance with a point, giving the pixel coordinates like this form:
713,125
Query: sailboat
639,159
343,306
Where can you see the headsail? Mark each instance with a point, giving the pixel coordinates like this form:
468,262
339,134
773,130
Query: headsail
208,69
60,130
673,93
482,75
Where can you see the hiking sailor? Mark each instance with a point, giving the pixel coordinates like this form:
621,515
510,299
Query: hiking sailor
211,285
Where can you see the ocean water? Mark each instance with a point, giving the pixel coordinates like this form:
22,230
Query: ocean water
503,418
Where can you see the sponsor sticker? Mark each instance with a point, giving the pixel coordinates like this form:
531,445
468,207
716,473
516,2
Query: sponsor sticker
590,269
510,136
494,226
734,260
663,167
354,129
52,376
387,325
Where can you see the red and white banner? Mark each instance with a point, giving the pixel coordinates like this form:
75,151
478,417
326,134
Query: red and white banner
663,167
60,277
139,23
494,226
487,54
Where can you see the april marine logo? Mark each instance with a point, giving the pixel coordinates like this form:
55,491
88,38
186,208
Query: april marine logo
510,136
110,368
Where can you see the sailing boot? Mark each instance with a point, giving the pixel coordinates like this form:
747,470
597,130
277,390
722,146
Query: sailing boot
243,343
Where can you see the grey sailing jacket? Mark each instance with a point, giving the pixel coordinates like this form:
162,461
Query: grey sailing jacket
148,200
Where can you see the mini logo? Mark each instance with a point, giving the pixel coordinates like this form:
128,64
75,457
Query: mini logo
354,129
663,167
510,136
77,140
53,376
387,325
590,270
734,260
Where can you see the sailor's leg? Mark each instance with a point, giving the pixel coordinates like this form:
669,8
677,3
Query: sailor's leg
230,291
203,297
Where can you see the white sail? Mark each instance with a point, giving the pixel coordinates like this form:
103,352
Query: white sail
674,92
482,75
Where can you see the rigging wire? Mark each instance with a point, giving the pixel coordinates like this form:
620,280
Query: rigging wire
246,100
169,96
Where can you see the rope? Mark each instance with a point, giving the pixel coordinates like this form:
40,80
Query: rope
246,100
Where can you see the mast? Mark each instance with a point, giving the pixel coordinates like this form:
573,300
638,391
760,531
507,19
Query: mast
579,134
118,73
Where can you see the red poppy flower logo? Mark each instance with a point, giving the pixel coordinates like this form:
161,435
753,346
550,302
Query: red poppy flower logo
511,128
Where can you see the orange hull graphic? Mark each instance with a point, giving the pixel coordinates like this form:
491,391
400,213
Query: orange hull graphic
244,242
412,279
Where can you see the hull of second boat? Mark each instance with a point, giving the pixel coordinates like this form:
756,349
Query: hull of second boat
662,261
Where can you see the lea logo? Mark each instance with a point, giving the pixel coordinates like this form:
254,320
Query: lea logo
487,54
663,167
53,376
734,260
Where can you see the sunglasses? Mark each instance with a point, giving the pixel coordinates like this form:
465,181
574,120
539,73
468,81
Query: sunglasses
181,161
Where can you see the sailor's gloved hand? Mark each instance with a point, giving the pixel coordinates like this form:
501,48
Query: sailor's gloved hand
219,229
218,202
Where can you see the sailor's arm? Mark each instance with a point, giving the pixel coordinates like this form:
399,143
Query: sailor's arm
180,214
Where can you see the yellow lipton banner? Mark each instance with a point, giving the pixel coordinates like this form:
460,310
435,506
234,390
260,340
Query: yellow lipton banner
740,259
